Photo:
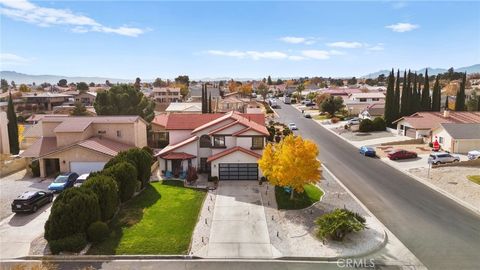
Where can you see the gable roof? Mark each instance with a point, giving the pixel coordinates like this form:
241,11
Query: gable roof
463,130
243,119
184,107
232,150
191,121
429,120
172,147
196,91
40,147
160,119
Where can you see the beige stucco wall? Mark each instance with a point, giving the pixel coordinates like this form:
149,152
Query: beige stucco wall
140,134
67,138
48,127
464,146
446,143
4,142
77,153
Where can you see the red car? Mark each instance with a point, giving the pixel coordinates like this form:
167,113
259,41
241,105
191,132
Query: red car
401,154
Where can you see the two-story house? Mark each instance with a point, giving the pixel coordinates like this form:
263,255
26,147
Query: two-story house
84,144
166,94
224,145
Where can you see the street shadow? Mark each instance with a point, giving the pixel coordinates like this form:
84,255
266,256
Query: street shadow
22,219
407,160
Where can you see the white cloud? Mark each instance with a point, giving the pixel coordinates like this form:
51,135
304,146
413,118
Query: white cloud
298,40
346,45
255,55
13,59
26,11
399,5
296,58
402,27
378,47
316,54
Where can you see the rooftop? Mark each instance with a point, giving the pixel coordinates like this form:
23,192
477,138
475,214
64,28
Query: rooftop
429,120
462,130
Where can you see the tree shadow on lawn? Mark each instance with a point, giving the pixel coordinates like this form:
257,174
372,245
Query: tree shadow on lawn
130,214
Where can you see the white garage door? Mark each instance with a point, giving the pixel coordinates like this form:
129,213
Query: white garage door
86,167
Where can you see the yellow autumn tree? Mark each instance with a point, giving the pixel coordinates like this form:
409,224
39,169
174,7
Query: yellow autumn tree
246,89
291,163
21,130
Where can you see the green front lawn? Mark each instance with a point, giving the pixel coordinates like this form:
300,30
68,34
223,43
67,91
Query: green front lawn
311,195
160,220
474,178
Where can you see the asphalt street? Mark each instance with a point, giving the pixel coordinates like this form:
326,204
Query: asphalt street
440,232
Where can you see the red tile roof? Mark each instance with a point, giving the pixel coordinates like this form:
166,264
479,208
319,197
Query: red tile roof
191,121
177,155
232,150
429,120
243,119
160,120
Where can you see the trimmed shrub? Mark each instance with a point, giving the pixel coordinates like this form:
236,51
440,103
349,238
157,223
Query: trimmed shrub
35,166
106,190
139,158
125,174
334,120
379,124
97,231
73,243
338,223
366,125
72,212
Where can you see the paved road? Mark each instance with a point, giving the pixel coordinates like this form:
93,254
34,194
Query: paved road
440,232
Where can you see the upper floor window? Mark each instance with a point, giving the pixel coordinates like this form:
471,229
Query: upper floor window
363,100
119,133
205,141
257,142
219,141
375,99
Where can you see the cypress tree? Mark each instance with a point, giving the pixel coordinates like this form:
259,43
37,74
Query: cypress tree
460,100
12,127
446,103
478,104
426,102
415,104
204,99
210,103
404,102
436,96
389,112
396,105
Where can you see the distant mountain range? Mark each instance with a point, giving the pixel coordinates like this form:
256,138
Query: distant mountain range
431,71
38,79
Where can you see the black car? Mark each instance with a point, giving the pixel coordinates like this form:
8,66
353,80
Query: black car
30,201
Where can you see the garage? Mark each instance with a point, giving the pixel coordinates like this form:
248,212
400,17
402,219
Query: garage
238,171
82,167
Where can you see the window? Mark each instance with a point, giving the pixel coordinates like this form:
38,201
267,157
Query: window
219,141
119,133
363,100
102,132
257,142
205,141
440,139
375,99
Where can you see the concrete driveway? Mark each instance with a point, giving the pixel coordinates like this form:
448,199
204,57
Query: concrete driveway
19,230
239,228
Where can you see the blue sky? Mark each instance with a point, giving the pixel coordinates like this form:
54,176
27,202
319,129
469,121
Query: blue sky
235,39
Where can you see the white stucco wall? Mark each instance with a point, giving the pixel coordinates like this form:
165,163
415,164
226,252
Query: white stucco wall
177,136
446,143
236,157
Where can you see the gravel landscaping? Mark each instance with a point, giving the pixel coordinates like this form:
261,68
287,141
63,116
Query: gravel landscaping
201,233
292,232
454,181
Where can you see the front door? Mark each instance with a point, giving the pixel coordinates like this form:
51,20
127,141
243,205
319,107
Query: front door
204,166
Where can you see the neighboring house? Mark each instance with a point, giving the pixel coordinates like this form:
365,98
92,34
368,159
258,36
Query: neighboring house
86,98
30,135
4,141
35,118
166,94
184,107
224,145
84,144
195,94
232,102
158,135
372,111
44,101
419,125
367,97
277,89
339,92
457,138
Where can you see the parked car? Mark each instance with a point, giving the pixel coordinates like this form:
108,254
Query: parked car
63,181
81,179
307,115
440,158
310,104
354,121
474,154
367,151
292,126
30,201
401,154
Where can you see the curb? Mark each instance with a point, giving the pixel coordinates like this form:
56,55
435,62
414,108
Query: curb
385,229
106,257
419,179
